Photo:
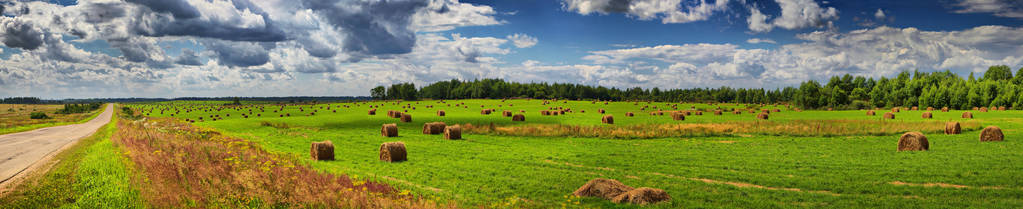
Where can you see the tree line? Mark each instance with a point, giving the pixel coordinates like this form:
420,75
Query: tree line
997,87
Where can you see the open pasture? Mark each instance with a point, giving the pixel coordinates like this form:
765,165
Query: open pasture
16,117
793,159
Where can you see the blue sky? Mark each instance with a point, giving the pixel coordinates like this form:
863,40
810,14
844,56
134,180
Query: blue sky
177,48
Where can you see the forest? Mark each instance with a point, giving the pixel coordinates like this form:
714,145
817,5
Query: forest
997,87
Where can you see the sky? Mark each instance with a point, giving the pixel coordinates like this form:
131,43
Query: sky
215,48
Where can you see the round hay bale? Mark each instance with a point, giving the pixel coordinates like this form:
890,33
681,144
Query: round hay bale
389,130
678,116
601,111
967,115
717,112
889,115
914,108
895,109
983,109
991,133
927,115
602,188
776,110
453,132
642,196
944,109
913,141
609,119
930,109
322,150
519,117
629,114
393,152
737,112
1001,108
441,113
406,118
953,128
434,128
506,113
762,116
698,113
871,113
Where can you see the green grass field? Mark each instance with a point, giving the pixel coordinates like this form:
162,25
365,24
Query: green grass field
776,170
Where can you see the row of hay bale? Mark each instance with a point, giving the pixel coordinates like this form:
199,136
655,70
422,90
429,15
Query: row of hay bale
916,141
389,151
925,115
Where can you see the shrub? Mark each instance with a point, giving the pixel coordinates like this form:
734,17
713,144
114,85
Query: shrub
39,115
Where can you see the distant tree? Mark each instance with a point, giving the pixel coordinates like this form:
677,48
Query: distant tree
997,73
809,96
380,92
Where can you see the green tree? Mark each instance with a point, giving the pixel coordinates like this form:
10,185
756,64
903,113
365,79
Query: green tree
997,73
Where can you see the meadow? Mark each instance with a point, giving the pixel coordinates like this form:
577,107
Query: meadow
16,117
794,159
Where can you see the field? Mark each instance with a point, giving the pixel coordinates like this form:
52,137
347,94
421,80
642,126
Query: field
15,117
794,159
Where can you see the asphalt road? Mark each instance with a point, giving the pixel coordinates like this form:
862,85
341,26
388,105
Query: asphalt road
19,151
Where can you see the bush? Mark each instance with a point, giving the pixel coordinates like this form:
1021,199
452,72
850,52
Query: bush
860,105
39,115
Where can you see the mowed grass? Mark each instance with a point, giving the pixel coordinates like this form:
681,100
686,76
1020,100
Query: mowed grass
15,117
90,174
747,170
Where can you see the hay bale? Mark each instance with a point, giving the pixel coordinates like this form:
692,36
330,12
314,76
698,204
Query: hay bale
453,132
913,141
406,118
927,115
601,111
434,128
967,115
506,113
642,196
930,109
776,110
953,128
602,188
991,133
914,108
389,130
871,113
519,117
441,113
889,115
393,152
762,116
983,109
629,114
895,109
944,109
322,150
609,119
698,113
717,112
1001,108
678,116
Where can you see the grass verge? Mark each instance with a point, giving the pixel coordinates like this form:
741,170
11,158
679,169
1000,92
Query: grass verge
90,174
30,127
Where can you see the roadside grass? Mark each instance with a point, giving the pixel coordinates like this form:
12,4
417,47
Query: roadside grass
192,167
89,174
15,117
769,168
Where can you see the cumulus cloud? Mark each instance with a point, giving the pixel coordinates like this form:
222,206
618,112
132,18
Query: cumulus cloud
443,15
879,15
1001,8
760,41
795,14
522,40
669,11
20,34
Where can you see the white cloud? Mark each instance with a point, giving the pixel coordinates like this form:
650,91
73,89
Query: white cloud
760,41
795,14
879,14
669,11
1001,8
522,40
443,15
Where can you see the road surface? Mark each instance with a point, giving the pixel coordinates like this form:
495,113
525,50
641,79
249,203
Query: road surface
19,151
